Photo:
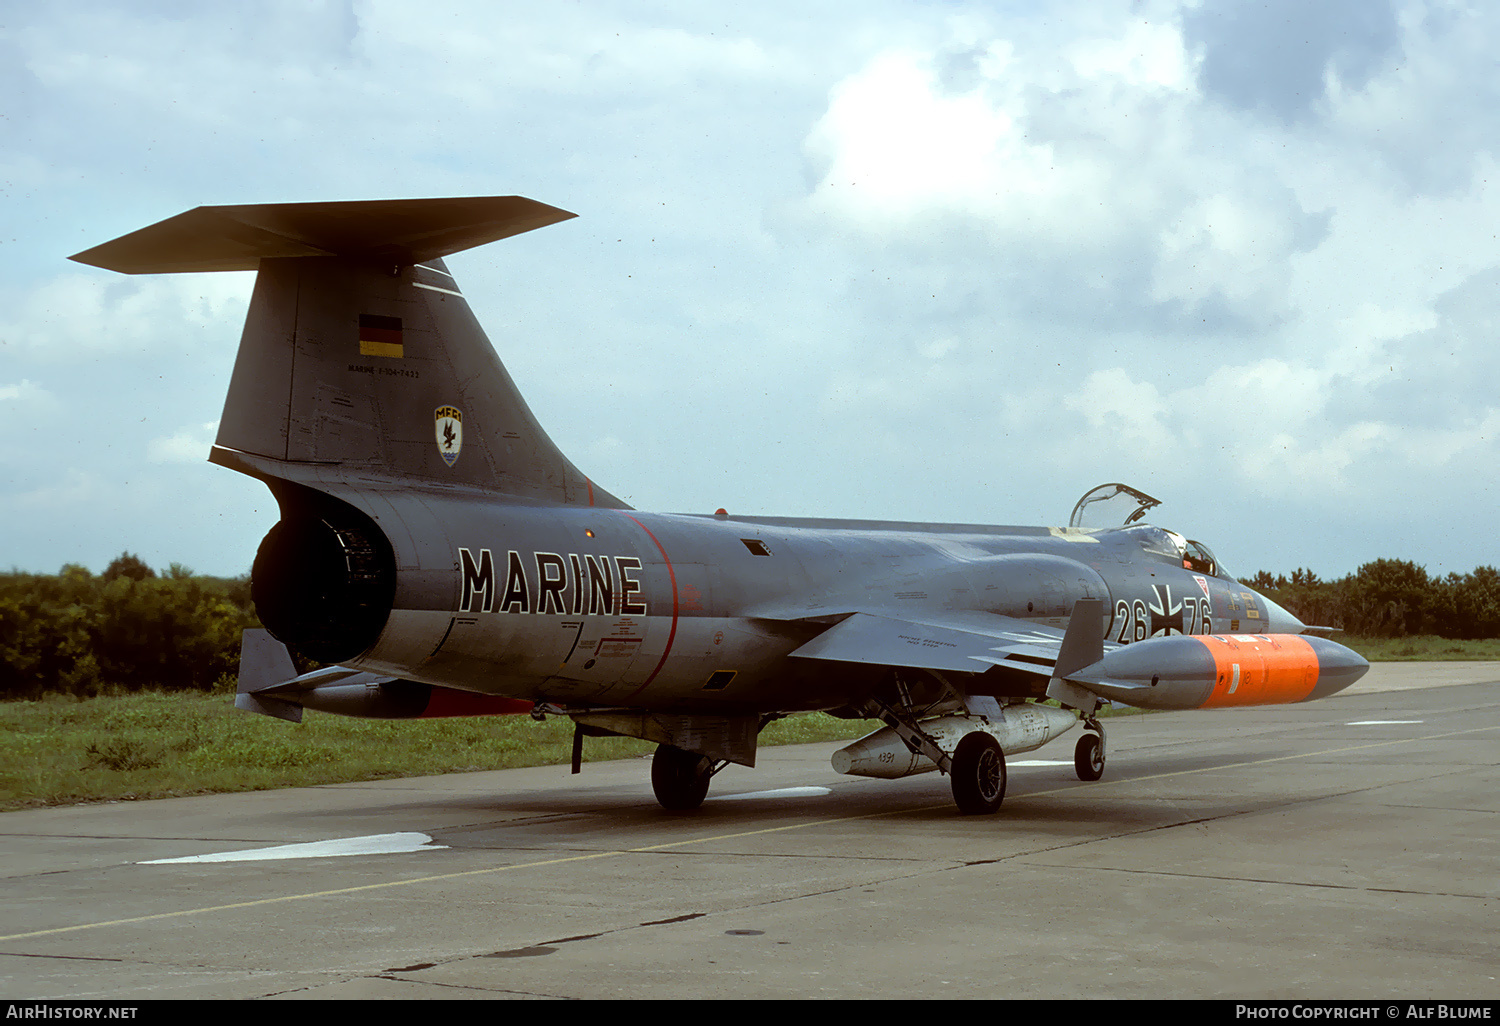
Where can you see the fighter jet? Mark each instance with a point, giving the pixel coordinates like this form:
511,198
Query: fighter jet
439,550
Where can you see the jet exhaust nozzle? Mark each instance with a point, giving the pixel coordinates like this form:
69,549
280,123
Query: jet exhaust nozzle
324,583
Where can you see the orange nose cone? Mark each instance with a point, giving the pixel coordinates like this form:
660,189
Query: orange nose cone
1266,669
1261,669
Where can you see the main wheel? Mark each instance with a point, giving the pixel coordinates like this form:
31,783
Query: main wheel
1088,757
679,778
978,774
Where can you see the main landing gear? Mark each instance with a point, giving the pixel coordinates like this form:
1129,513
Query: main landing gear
976,769
680,779
978,774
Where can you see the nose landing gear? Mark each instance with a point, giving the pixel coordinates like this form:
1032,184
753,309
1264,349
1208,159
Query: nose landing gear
1088,755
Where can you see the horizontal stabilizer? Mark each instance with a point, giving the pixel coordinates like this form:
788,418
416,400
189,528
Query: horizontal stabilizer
266,706
269,685
392,232
264,663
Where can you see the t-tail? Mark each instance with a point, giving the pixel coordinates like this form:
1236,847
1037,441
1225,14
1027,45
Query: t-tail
361,372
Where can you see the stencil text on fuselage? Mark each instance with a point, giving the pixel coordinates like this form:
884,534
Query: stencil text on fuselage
550,582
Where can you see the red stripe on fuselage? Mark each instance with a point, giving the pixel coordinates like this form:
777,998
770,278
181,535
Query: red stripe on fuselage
672,634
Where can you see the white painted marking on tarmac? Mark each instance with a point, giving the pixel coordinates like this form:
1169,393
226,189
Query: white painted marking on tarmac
780,792
373,844
1038,762
1378,723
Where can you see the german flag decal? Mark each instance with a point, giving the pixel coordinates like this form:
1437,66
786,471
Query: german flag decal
380,336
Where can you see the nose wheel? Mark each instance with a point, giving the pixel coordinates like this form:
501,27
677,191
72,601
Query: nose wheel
1088,756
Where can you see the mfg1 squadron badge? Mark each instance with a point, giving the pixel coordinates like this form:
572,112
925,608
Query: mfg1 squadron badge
450,433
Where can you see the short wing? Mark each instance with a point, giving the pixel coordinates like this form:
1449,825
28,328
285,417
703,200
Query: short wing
952,642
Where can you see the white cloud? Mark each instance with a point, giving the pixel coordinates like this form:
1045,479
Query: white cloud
1148,53
896,148
1104,172
190,445
1122,412
25,394
1234,246
73,490
29,416
1374,459
1269,395
77,313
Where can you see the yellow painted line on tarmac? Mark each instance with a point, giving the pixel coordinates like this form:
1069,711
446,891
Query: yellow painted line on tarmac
436,878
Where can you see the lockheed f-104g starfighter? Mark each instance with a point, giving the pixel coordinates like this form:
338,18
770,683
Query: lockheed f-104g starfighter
439,550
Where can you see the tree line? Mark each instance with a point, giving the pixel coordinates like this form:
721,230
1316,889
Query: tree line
130,628
1391,598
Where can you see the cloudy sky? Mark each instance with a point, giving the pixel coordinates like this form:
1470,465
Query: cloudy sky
918,261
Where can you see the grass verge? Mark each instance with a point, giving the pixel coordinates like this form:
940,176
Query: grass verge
62,750
1421,648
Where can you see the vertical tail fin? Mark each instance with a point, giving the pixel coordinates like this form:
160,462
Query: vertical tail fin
360,353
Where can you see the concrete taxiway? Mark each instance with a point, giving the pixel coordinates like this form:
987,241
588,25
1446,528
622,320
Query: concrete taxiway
1348,848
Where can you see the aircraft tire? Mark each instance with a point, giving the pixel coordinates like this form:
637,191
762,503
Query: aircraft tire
978,774
1088,757
680,779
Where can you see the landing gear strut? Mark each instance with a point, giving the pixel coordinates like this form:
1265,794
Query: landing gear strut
1088,756
976,769
680,779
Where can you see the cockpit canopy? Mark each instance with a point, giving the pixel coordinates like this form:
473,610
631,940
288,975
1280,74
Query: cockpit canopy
1109,504
1108,501
1200,559
1171,547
